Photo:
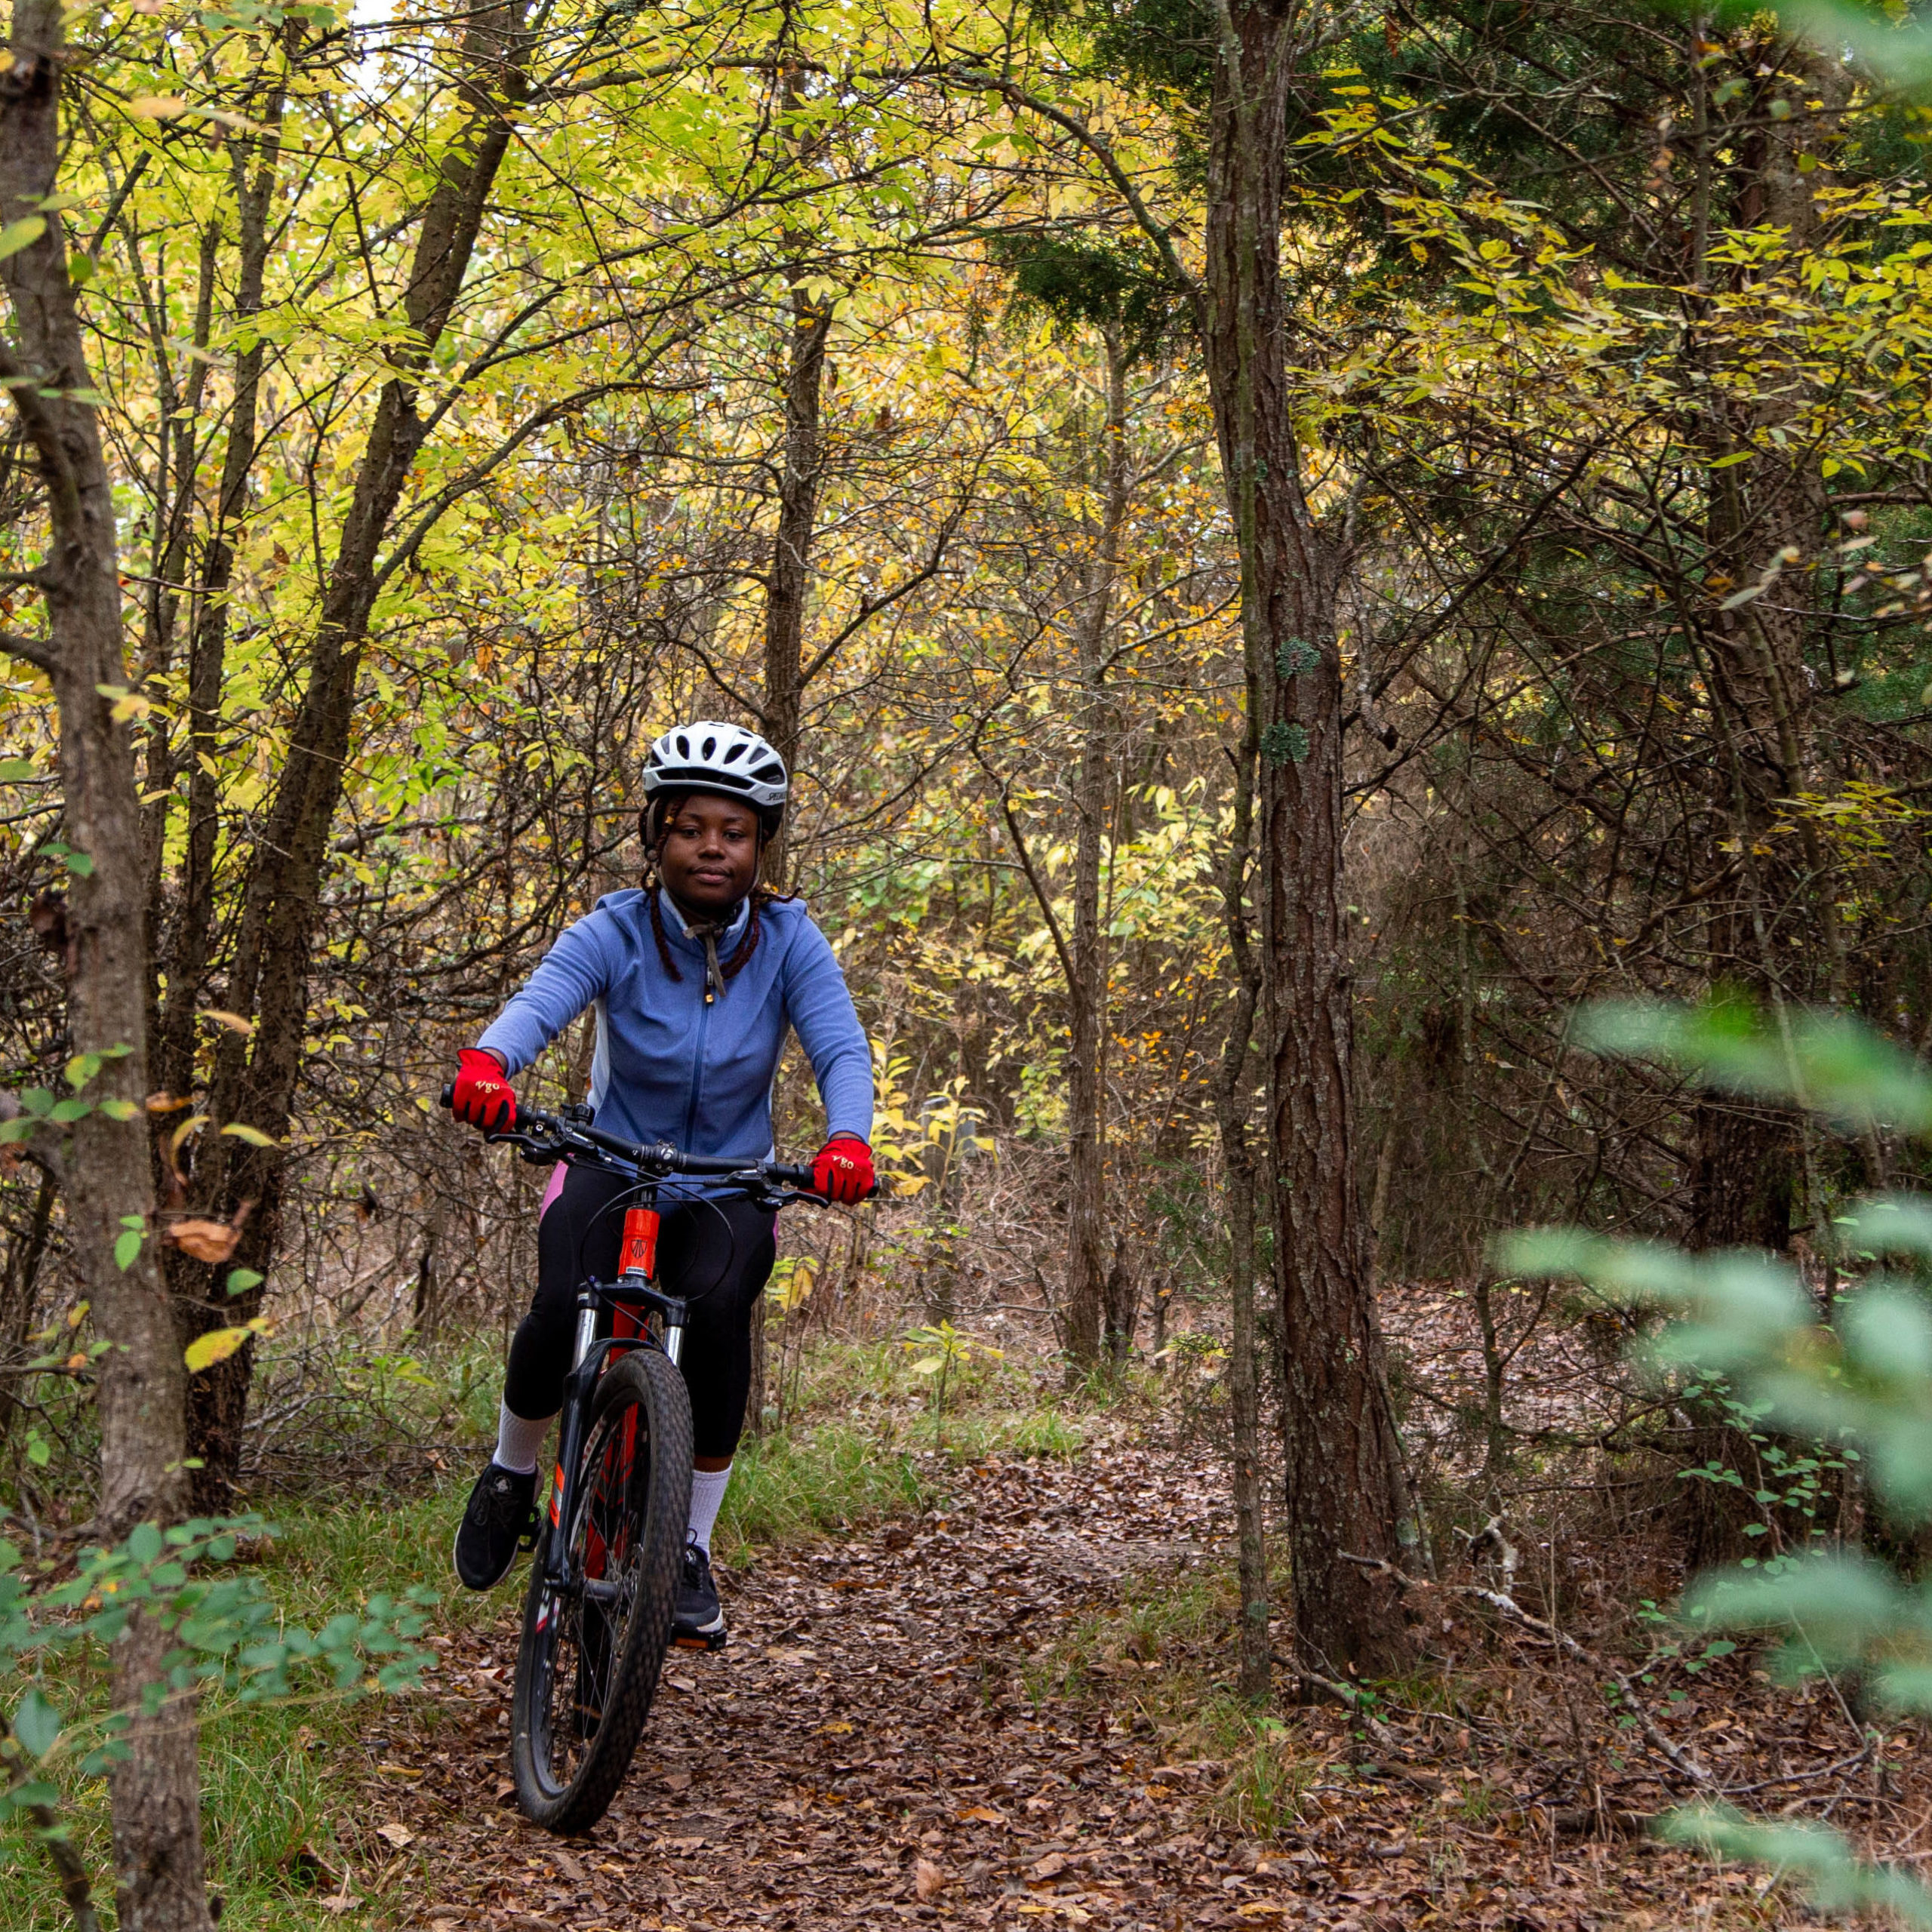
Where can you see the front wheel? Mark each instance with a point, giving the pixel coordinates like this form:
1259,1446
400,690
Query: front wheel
593,1640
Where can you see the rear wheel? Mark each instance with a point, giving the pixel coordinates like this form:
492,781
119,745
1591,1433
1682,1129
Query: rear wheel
592,1642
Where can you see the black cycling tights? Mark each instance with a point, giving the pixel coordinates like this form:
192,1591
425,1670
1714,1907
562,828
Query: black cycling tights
718,1253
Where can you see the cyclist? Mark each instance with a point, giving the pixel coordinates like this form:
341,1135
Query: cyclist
694,978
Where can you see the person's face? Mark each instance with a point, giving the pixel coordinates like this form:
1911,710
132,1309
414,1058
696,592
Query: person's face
709,857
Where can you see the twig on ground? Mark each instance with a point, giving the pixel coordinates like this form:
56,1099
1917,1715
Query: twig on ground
1349,1695
1681,1761
1857,1762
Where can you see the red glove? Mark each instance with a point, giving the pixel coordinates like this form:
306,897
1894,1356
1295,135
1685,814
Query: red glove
481,1095
843,1171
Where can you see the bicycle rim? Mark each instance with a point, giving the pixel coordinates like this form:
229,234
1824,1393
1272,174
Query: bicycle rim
593,1644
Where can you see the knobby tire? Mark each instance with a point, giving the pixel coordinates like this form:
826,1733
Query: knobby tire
586,1669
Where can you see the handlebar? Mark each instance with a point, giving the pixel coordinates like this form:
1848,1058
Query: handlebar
655,1157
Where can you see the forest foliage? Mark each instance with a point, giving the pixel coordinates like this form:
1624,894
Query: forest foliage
1530,607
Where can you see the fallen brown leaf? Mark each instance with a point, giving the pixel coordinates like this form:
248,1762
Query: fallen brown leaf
928,1881
206,1240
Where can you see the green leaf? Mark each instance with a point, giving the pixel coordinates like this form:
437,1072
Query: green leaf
119,1109
253,1136
21,234
127,1249
145,1542
37,1724
241,1280
16,771
67,1112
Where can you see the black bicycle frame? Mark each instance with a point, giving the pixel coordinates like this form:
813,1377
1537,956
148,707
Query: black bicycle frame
587,1363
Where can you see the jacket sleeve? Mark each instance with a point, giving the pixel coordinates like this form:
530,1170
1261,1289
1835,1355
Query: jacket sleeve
573,973
819,1006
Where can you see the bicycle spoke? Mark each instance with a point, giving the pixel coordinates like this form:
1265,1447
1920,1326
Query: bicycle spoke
589,1616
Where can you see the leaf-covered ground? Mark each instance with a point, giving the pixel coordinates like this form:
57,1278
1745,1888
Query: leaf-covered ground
981,1718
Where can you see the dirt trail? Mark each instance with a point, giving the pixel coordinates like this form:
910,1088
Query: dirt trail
866,1753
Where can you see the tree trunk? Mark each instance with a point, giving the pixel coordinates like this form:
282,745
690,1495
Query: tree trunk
256,1075
789,581
1344,1482
1254,1657
254,160
19,1286
1085,1284
155,1788
1778,937
787,585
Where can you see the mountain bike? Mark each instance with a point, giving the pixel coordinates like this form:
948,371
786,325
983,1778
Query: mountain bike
609,1546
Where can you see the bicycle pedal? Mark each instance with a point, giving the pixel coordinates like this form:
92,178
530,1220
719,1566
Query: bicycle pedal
716,1641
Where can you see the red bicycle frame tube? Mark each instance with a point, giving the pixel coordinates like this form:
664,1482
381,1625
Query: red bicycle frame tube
638,1255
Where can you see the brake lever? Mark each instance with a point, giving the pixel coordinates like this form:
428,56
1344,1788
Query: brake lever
538,1153
772,1199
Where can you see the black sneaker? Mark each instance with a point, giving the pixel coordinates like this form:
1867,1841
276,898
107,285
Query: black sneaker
499,1521
699,1624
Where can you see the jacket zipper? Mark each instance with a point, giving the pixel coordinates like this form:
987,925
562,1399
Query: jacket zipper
698,1073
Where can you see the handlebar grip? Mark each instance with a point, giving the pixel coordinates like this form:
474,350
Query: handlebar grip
449,1097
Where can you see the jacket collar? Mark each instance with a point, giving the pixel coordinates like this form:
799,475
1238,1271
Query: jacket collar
674,921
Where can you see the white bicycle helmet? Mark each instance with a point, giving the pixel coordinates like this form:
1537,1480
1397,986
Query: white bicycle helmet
707,756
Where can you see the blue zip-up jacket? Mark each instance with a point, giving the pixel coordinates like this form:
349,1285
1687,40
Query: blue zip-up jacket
669,1067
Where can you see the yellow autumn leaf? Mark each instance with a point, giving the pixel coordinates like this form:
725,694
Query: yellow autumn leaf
217,1345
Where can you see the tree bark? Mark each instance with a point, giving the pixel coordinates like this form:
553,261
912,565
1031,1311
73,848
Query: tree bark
1254,1658
1344,1483
789,581
256,1075
787,586
19,1283
155,1788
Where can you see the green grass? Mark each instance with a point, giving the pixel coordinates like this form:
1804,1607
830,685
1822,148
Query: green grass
816,1477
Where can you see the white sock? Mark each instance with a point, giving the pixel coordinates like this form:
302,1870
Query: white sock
518,1440
707,1488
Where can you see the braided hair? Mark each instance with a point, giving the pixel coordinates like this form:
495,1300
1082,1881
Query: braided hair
654,825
